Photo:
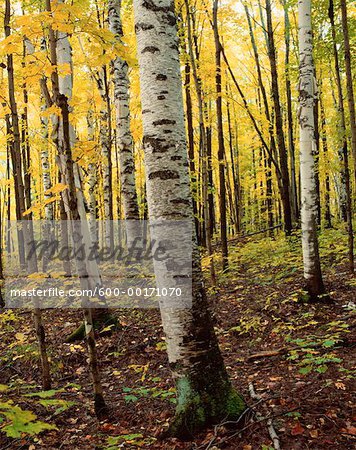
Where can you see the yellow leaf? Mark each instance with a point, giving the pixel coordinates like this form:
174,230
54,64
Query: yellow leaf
57,188
20,337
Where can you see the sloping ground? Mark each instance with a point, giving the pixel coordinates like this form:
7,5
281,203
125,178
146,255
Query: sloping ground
296,360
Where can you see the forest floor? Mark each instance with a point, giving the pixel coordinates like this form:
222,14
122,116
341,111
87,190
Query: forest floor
297,357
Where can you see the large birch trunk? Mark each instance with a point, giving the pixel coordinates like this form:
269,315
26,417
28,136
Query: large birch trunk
204,391
307,97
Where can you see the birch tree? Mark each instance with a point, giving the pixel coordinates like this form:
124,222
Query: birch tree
122,107
17,167
307,97
73,198
204,391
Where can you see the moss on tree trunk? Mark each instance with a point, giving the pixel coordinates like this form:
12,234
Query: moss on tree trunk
198,409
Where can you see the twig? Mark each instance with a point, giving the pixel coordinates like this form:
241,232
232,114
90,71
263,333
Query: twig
273,434
242,236
270,427
235,422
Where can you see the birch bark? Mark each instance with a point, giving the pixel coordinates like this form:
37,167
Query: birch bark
92,182
123,132
73,198
307,97
204,390
105,141
17,165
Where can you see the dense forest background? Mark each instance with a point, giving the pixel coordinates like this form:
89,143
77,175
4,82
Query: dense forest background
236,115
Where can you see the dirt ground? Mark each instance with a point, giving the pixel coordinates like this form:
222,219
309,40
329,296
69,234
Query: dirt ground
296,359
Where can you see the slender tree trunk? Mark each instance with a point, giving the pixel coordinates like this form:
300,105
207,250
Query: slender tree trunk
209,169
345,175
2,246
341,119
190,135
324,141
20,199
270,119
203,149
92,182
291,145
348,70
235,175
123,132
317,155
283,159
25,141
221,145
73,200
307,97
106,164
203,387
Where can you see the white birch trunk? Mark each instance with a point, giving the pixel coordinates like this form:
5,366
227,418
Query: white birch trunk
203,387
92,182
105,159
123,132
46,176
78,219
307,97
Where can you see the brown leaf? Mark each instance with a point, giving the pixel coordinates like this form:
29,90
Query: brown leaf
297,429
350,429
314,433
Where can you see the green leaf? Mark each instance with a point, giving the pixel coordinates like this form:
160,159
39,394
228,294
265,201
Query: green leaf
44,394
305,370
21,421
130,398
322,369
3,387
16,429
329,343
63,405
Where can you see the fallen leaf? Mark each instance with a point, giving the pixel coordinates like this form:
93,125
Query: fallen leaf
297,429
350,429
314,433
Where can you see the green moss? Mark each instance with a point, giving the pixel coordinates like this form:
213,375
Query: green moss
195,410
235,405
